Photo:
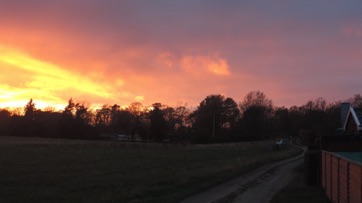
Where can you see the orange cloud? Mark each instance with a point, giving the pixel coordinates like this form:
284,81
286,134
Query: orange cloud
201,64
165,59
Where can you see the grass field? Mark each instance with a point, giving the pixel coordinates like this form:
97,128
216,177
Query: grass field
40,170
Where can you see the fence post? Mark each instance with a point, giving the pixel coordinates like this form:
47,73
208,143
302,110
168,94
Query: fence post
348,183
331,175
325,171
339,181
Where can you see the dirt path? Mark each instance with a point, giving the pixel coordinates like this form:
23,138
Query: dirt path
259,185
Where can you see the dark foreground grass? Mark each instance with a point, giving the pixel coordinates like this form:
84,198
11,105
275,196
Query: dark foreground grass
37,170
298,192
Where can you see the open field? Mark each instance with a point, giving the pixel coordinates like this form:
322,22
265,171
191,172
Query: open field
41,170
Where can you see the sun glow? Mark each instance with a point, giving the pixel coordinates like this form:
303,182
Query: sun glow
44,82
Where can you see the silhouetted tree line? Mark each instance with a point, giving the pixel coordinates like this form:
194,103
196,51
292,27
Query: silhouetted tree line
216,119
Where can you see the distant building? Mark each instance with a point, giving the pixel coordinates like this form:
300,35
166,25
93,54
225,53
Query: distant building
341,159
351,119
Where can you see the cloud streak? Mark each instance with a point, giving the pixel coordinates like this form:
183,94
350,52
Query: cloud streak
204,64
44,79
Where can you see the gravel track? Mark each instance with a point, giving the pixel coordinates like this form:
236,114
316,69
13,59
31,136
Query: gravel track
259,185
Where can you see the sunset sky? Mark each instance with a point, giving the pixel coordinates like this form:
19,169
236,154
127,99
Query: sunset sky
173,52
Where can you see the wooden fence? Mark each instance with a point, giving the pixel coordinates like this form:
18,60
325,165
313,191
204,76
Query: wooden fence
341,178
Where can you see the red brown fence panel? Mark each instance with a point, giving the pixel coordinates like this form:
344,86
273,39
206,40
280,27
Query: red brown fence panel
341,178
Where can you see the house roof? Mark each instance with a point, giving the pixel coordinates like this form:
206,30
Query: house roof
357,117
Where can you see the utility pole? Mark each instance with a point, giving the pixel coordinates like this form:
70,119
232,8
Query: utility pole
213,125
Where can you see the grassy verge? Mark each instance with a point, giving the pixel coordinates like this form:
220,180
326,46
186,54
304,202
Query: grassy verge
297,191
38,170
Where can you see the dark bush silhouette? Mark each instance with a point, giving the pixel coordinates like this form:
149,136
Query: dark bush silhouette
5,118
214,119
257,116
158,124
